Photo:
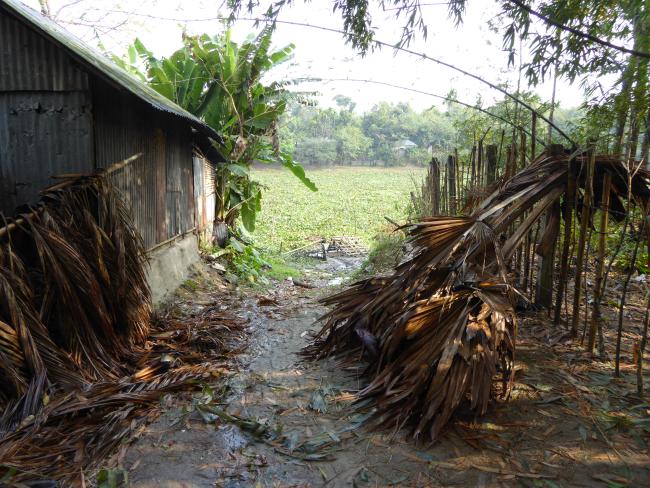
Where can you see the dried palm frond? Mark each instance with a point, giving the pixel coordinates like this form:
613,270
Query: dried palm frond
440,331
74,321
77,373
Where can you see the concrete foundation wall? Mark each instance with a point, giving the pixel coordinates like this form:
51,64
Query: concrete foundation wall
169,266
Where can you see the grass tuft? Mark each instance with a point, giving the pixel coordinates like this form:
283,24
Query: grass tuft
281,268
385,253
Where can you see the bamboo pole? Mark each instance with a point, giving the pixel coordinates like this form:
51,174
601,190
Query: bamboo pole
533,131
503,134
596,315
585,320
569,205
642,344
532,256
459,177
525,262
584,223
473,183
621,308
443,190
480,163
544,289
523,165
435,186
645,147
451,183
491,156
520,248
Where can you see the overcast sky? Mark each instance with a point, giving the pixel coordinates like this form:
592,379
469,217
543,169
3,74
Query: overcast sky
472,46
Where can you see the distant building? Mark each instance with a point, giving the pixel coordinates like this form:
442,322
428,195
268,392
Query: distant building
64,108
404,146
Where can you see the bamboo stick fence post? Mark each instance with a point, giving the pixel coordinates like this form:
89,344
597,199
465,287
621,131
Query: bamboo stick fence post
533,137
522,151
503,134
451,184
444,207
479,180
596,316
526,244
569,205
473,182
459,178
525,262
435,186
584,224
642,344
645,157
491,156
621,308
585,320
514,171
531,257
544,290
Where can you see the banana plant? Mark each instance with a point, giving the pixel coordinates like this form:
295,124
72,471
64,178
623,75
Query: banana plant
222,83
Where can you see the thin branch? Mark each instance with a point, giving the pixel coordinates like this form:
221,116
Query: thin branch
63,7
433,4
577,32
423,56
378,43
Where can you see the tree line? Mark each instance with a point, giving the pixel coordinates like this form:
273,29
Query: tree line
394,134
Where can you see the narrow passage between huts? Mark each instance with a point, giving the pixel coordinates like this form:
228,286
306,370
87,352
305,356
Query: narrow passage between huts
276,420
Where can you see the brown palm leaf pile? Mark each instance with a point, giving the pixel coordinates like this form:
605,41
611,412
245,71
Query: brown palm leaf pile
439,332
77,370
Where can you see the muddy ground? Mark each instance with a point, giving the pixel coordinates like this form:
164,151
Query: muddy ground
276,420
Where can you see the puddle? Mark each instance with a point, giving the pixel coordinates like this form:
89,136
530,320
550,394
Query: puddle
340,264
231,437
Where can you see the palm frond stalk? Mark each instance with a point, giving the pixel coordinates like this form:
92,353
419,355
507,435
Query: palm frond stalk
439,332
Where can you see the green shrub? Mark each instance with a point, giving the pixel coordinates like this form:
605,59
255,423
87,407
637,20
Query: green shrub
385,253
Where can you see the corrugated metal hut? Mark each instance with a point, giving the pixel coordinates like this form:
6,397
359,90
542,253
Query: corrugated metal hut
65,108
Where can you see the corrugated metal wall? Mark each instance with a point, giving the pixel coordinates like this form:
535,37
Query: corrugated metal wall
45,115
209,176
159,186
55,118
41,134
30,62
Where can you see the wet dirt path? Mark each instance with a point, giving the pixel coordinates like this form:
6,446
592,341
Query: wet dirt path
293,424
